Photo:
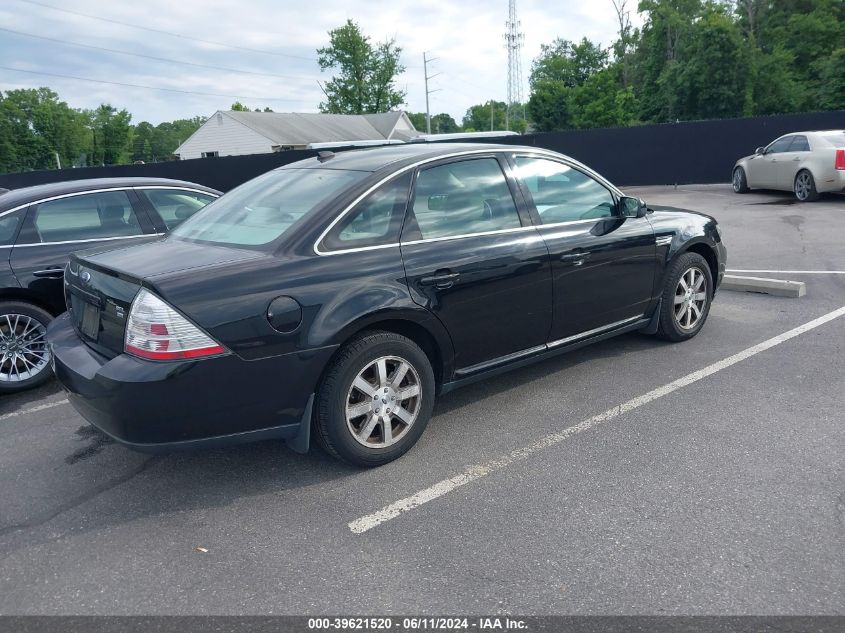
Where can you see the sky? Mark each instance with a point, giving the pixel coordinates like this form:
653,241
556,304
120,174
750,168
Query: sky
263,52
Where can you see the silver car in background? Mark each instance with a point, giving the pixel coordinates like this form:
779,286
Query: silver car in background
806,163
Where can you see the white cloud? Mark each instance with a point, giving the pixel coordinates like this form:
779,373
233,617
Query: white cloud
466,37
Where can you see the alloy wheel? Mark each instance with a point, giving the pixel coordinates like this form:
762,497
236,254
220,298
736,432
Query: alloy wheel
383,402
803,186
690,298
737,181
23,348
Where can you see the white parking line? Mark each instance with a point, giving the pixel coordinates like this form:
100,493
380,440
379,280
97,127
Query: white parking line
40,407
790,272
388,512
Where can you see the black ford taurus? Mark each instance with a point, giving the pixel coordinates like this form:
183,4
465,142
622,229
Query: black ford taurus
336,296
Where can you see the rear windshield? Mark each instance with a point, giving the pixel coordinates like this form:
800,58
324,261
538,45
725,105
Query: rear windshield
261,210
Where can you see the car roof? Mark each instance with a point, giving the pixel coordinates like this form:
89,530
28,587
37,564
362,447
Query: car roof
26,195
375,158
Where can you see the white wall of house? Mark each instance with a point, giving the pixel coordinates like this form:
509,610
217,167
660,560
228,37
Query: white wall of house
224,135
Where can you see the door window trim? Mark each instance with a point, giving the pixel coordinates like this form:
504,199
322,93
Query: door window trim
615,194
531,153
525,221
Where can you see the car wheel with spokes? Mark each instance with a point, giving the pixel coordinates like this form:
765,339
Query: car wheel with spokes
24,355
375,399
739,181
805,187
686,298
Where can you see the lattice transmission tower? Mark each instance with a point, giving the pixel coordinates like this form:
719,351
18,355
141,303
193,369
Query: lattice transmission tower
513,43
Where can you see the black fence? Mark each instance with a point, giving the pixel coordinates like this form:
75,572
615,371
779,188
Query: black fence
671,153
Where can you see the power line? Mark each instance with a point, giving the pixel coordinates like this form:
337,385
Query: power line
152,30
118,83
161,59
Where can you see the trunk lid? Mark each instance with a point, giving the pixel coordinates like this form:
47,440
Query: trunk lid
101,284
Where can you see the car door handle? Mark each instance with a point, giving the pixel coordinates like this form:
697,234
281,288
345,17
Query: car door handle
441,280
796,158
576,259
50,273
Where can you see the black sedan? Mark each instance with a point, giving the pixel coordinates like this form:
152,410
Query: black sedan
41,226
336,296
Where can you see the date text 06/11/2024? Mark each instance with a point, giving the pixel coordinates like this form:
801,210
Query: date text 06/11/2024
417,623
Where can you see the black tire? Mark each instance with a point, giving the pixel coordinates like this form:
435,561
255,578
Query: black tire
331,428
804,187
8,382
669,327
739,181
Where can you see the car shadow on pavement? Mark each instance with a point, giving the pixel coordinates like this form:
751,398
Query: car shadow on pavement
173,483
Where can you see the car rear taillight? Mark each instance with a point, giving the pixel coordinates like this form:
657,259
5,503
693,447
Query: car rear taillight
156,331
840,159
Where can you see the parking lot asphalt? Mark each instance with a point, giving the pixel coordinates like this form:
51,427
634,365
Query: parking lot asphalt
726,495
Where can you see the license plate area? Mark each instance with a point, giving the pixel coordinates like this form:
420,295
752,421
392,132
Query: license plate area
90,324
85,312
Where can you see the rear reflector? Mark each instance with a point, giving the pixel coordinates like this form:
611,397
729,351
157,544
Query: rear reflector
840,159
156,331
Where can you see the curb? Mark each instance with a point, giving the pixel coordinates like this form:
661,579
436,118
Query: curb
774,287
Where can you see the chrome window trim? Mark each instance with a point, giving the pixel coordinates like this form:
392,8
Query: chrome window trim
63,195
531,153
598,330
94,239
207,193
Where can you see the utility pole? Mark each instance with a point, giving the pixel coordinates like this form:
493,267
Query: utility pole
513,42
426,59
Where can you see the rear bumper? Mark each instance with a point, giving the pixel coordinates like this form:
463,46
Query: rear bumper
163,406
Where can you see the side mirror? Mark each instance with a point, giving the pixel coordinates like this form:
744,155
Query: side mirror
760,150
632,207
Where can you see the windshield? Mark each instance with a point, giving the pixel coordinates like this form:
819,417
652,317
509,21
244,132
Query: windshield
261,210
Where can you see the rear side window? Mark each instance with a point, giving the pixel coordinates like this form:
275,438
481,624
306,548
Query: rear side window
462,198
9,224
176,205
86,217
800,144
562,193
375,221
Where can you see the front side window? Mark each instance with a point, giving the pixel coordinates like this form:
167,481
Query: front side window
375,221
779,146
562,193
462,198
176,205
89,216
263,209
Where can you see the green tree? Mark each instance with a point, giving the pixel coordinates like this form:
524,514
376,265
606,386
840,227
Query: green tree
477,117
365,82
568,62
112,135
417,119
443,123
37,126
831,91
549,107
237,106
601,101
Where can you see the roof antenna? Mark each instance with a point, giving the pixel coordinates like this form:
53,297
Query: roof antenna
324,156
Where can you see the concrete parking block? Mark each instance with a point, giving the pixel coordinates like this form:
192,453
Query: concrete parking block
775,287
